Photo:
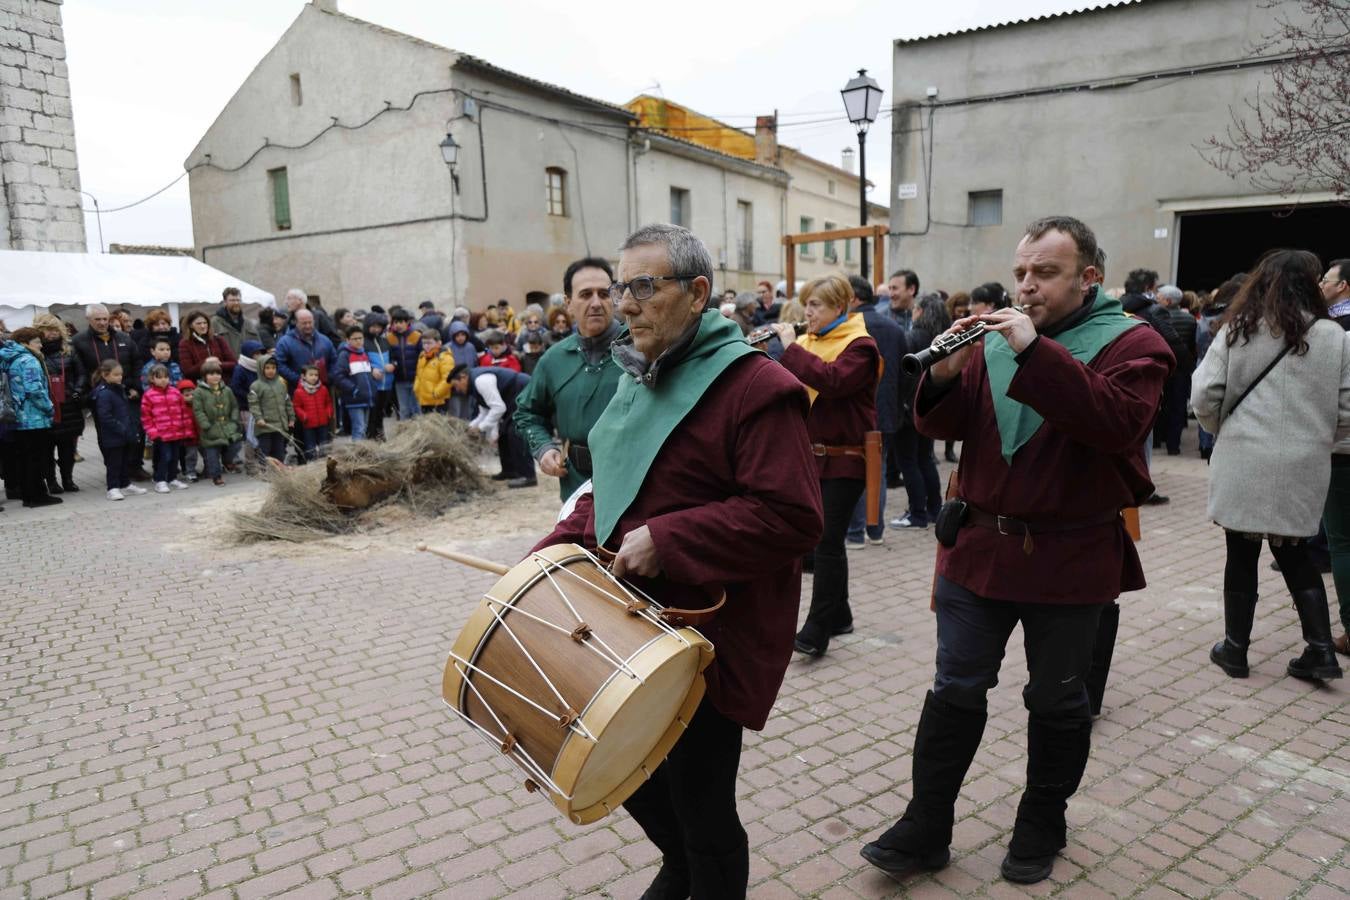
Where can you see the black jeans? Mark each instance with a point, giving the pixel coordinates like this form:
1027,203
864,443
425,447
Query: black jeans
688,807
1239,571
312,438
512,451
973,635
117,465
921,475
165,457
1171,420
64,463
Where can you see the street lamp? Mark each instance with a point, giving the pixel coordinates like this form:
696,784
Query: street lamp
98,216
450,153
862,102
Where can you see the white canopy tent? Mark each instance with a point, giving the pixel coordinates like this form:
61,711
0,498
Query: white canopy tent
66,283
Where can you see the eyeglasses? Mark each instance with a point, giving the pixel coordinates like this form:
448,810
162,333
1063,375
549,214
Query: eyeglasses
643,286
1331,280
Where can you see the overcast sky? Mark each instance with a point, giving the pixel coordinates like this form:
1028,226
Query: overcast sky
149,76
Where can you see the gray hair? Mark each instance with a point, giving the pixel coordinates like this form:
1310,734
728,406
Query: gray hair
95,307
460,314
298,294
687,254
932,313
1171,293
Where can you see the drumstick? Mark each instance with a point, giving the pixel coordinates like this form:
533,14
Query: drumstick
477,562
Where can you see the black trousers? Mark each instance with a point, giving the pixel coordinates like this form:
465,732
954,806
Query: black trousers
973,634
32,450
829,588
688,807
272,444
919,469
64,461
512,451
1171,421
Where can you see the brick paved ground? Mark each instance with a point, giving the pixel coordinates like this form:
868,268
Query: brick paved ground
182,718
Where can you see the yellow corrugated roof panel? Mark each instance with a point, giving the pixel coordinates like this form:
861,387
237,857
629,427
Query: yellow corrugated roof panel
678,121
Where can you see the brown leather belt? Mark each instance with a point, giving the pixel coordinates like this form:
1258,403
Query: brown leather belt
1015,527
826,450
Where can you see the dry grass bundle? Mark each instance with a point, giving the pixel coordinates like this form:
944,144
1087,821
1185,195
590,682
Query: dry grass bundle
429,465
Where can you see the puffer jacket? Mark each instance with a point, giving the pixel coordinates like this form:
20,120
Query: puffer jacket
404,350
113,416
165,415
27,387
432,385
64,368
352,377
216,412
465,354
270,402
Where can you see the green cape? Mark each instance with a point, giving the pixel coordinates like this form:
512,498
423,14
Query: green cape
631,431
1017,422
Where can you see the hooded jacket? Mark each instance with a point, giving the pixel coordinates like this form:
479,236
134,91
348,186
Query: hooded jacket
403,352
27,387
270,402
432,385
165,415
216,412
353,379
465,354
312,410
245,372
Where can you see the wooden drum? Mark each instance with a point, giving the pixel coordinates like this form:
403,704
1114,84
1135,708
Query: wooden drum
573,674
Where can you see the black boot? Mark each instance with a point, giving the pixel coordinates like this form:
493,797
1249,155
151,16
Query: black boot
944,745
69,486
725,876
830,583
1318,662
53,487
671,883
1101,656
1230,654
1057,753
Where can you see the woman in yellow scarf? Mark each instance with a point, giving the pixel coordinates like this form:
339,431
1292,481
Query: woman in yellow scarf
840,366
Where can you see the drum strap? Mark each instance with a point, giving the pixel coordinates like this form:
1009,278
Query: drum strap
670,614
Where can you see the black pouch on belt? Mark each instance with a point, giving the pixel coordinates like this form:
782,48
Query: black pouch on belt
950,518
579,458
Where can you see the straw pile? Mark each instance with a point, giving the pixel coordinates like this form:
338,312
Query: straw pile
429,465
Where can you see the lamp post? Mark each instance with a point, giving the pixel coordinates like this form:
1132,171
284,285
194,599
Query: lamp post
98,216
862,102
450,153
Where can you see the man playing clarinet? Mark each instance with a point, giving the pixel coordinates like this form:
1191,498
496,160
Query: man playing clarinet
703,482
1052,409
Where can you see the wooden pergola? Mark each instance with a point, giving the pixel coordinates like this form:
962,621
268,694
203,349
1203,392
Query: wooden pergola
876,232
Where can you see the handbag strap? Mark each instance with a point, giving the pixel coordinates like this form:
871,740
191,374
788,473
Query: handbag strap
1264,372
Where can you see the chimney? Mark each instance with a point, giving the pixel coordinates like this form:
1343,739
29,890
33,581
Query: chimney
328,6
847,163
766,140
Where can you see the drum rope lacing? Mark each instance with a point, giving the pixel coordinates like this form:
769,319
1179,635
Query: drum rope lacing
571,720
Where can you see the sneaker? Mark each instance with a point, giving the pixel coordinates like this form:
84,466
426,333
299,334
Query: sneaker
880,539
134,489
116,494
191,477
178,485
161,487
851,544
906,522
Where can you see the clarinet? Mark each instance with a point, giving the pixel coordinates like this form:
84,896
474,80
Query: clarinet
762,335
943,346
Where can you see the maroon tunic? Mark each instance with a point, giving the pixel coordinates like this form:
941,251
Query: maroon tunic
732,502
1086,459
846,406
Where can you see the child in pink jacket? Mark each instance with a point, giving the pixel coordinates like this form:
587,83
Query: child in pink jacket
167,422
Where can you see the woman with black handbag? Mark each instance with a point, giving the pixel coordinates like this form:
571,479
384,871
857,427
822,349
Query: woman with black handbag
1274,389
66,376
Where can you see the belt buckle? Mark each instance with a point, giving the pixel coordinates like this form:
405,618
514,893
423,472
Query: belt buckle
998,522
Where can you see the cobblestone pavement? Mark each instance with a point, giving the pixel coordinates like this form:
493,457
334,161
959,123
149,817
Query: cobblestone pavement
183,718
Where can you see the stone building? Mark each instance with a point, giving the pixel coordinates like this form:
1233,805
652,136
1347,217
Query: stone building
1098,114
324,171
39,172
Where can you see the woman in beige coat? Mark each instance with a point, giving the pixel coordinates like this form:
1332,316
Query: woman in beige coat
1272,456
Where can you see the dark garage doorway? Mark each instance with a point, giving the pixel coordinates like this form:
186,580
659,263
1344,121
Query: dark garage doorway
1215,245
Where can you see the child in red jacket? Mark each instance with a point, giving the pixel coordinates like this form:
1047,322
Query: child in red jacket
313,412
499,352
167,421
188,450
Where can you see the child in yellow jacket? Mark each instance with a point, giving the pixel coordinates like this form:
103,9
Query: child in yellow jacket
431,385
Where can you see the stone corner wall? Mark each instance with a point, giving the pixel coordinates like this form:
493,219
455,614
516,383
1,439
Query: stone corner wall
39,171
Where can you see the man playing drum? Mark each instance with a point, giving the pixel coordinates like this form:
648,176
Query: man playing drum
703,482
1052,411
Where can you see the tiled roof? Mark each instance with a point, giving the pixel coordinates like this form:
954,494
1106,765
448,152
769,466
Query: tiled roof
467,60
1108,4
149,250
